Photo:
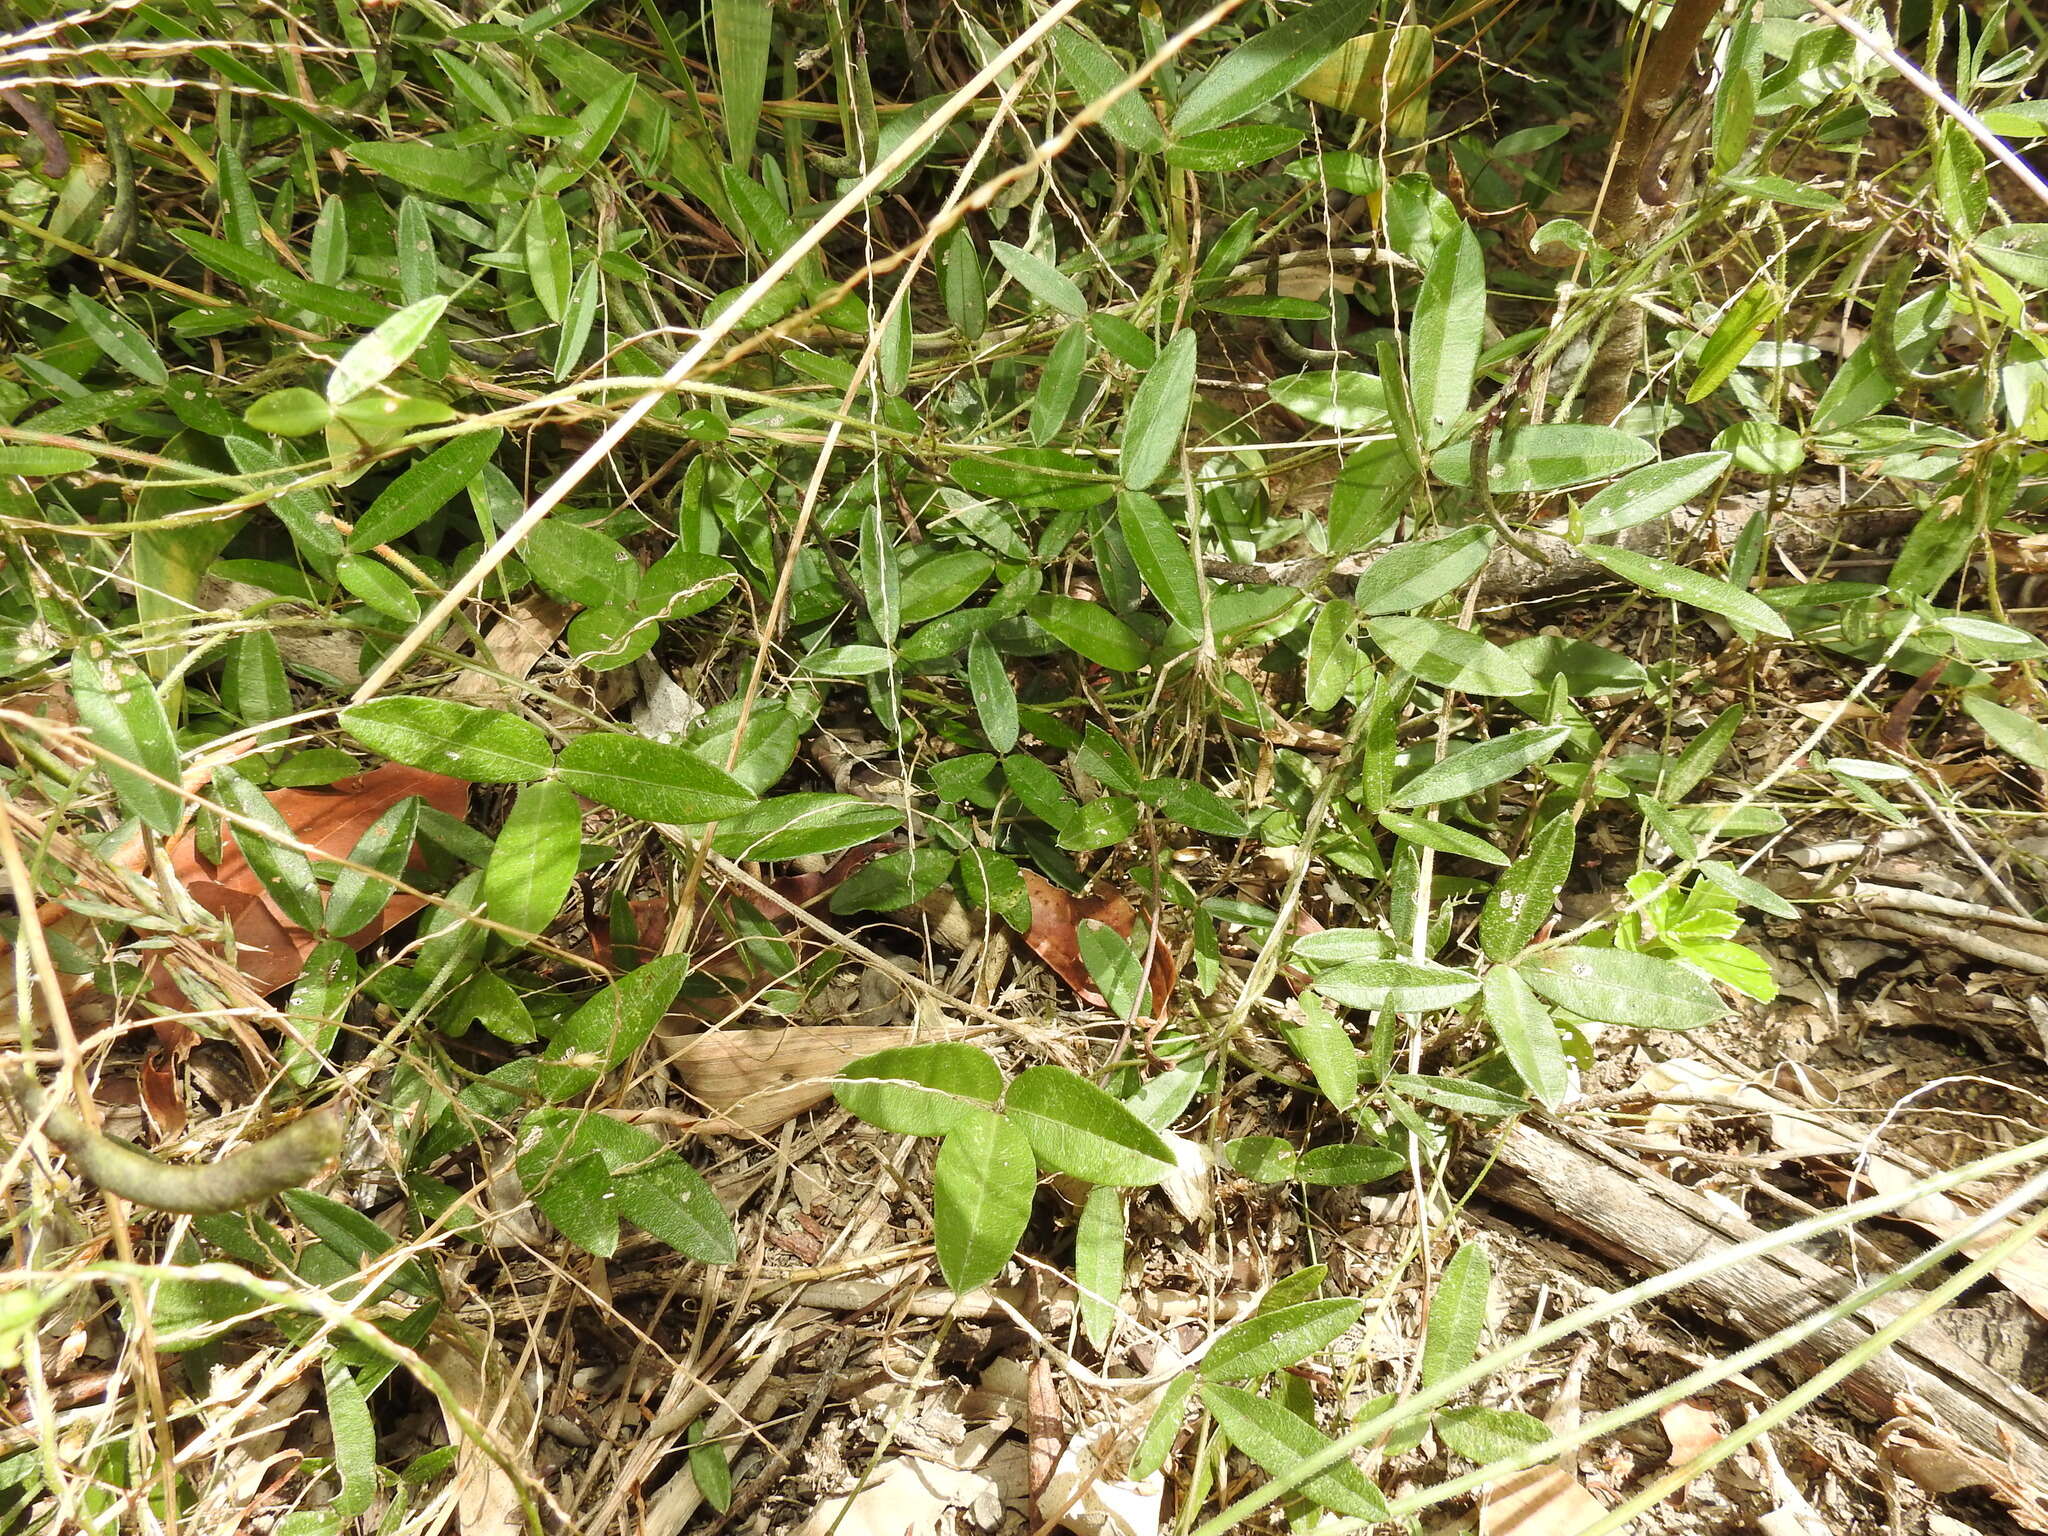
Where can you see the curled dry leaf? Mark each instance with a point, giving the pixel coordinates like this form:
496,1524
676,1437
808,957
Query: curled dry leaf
755,1079
1055,938
270,949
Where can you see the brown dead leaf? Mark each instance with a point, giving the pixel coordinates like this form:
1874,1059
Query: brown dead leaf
1538,1501
487,1498
270,949
1936,1460
755,1079
157,1090
1055,938
1691,1428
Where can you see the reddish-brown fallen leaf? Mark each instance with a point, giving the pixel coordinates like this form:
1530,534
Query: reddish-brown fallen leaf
157,1090
1055,938
270,949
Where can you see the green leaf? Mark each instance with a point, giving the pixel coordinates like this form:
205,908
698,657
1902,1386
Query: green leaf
1662,578
1547,458
121,340
962,286
921,1090
1472,768
1740,328
1106,822
1272,1341
549,261
799,826
1059,382
995,697
1416,574
378,355
1441,836
1527,1034
1114,965
608,1028
651,780
1406,986
286,873
1077,1129
2009,730
578,150
378,586
442,172
1163,1428
1487,1435
1618,986
1654,491
1162,558
1445,334
1269,62
1157,417
744,30
1091,72
354,900
1522,899
484,746
1325,1047
1457,1314
1451,658
581,565
1334,661
1334,397
1232,149
1280,1441
709,1469
253,684
1091,631
578,318
983,1183
894,881
1044,281
125,719
355,1439
424,488
1266,1159
1099,1261
45,463
534,861
642,1180
1197,806
1339,1166
1035,477
1702,753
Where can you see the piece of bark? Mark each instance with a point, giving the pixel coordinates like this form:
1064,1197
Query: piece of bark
1654,1225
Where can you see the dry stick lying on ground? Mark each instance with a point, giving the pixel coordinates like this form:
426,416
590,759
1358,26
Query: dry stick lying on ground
283,1160
1653,1225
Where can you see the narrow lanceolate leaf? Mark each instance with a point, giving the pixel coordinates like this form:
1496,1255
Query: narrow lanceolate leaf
121,339
1076,1128
1091,72
424,488
1662,578
1161,557
1158,414
1655,490
126,721
1451,658
1445,335
650,779
1527,1034
549,260
1273,1340
1280,1441
534,861
286,873
2009,730
1269,62
1041,279
358,895
983,1182
742,29
384,351
995,697
1457,1314
1473,768
1099,1262
482,745
616,1022
1523,897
